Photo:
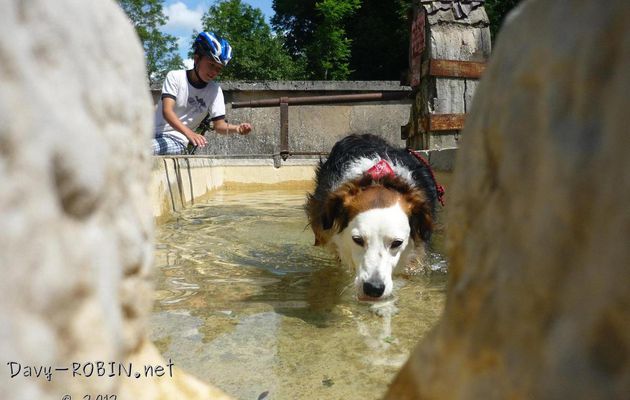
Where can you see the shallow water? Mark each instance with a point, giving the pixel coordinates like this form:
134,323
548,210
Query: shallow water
244,301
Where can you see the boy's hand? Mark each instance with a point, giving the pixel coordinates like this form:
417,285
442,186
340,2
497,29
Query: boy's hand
244,128
197,139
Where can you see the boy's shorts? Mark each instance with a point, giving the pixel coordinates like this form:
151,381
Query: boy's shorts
165,145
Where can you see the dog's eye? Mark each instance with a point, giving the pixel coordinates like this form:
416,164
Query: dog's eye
358,240
396,243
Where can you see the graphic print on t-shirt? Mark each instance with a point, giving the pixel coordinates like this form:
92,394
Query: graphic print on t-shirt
198,103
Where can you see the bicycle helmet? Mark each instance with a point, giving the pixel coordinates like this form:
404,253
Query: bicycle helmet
208,44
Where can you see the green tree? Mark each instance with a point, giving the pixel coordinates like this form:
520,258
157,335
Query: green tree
258,54
380,39
316,31
380,36
374,33
160,49
329,54
296,20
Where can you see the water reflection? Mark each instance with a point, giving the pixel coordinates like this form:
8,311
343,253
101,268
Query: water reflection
245,301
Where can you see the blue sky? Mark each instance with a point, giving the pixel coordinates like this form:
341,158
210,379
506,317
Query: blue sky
185,15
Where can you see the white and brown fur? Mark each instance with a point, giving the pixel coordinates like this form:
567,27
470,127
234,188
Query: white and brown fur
373,224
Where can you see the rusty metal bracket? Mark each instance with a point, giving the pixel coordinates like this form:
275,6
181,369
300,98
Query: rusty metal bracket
453,68
442,122
284,128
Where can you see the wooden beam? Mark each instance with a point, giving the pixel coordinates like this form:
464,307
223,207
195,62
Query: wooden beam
454,69
443,122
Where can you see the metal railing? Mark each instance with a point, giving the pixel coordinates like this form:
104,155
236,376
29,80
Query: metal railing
285,102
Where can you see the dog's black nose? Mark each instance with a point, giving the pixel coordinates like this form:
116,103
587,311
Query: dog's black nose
373,289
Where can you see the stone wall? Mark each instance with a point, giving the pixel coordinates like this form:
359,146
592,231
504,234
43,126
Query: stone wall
181,181
312,128
76,225
538,304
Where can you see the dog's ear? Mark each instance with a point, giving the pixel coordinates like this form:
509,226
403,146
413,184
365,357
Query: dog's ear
335,213
333,210
421,222
420,216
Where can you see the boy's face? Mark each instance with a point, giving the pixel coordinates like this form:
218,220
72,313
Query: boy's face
207,68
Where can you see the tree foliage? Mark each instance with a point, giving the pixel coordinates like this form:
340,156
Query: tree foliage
313,39
331,41
316,32
160,49
346,39
296,20
362,40
380,40
258,54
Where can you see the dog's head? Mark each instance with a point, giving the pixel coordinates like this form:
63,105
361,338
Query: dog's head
377,225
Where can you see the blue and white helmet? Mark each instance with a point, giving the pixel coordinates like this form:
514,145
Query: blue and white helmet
208,44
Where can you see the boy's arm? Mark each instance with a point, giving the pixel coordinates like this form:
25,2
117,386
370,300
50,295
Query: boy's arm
168,104
221,126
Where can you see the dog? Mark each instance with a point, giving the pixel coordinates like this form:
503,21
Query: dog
373,206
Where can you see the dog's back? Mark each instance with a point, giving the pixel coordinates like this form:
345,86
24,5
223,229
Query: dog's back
373,206
345,163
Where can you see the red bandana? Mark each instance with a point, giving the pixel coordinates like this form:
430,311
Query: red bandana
379,170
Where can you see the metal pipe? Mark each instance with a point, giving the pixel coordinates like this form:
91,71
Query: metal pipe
219,156
168,183
284,127
307,153
246,156
332,99
178,176
192,195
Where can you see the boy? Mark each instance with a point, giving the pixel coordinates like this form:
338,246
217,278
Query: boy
187,95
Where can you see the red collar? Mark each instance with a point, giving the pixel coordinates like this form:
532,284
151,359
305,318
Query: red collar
380,170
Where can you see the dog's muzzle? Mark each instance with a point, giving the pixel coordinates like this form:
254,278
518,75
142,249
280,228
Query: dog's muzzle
373,289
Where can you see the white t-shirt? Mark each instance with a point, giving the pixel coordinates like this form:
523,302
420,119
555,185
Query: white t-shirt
191,104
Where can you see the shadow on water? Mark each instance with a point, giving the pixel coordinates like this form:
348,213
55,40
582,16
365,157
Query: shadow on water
310,296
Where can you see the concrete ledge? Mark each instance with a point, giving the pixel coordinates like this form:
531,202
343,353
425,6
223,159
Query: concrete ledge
179,181
308,86
311,128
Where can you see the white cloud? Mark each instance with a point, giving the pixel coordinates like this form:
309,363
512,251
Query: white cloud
180,17
184,42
